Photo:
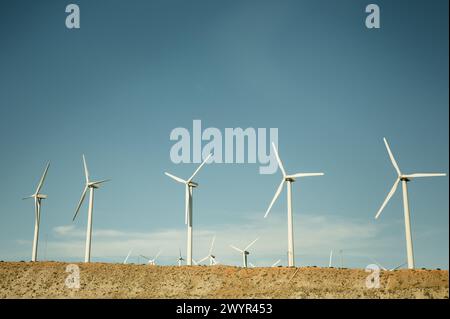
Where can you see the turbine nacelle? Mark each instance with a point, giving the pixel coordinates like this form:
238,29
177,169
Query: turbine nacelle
36,196
96,184
192,184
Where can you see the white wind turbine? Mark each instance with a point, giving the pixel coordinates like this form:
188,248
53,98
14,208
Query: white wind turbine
91,186
288,179
331,259
180,259
151,261
404,179
212,258
189,187
244,252
38,197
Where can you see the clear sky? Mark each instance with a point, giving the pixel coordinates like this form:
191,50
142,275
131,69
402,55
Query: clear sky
116,88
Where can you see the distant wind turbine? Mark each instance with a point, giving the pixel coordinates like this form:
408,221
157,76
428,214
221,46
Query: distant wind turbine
91,186
244,252
180,259
189,187
38,197
288,179
404,179
212,258
152,261
331,259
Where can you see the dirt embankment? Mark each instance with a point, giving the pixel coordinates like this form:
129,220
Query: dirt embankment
99,280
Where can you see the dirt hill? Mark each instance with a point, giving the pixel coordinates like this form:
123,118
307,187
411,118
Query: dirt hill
99,280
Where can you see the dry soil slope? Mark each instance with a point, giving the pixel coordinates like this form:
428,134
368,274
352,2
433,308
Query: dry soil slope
99,280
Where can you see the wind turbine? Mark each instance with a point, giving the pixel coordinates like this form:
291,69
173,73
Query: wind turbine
38,197
91,186
331,259
404,179
244,252
212,258
288,179
152,261
189,188
180,259
128,256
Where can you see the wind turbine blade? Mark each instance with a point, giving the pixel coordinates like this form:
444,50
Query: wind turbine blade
276,263
179,180
212,245
235,248
157,255
187,204
198,169
277,193
398,267
145,257
251,244
306,175
195,263
83,195
279,160
31,196
416,175
251,265
394,162
100,182
391,193
202,260
86,172
41,182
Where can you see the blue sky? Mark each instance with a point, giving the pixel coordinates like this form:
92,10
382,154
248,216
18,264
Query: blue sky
116,88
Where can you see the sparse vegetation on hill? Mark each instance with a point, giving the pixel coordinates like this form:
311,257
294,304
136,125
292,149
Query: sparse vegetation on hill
100,280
